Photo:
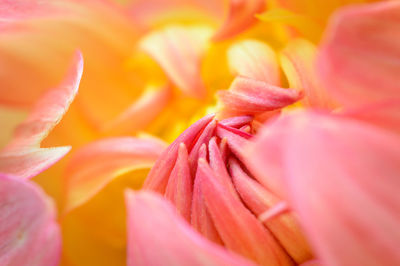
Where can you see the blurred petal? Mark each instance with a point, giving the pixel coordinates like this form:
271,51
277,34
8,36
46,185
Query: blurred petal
298,63
336,194
360,54
239,229
142,112
154,225
256,60
240,16
29,234
179,50
23,157
85,176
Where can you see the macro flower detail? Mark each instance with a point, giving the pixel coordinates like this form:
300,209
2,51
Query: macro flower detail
204,132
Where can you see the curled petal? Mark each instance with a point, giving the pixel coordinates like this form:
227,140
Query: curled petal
178,50
239,229
153,224
85,176
249,96
158,177
298,63
336,195
142,112
360,54
256,60
23,157
29,234
240,16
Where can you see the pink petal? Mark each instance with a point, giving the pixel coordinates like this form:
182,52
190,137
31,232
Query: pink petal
298,63
85,176
179,188
201,218
342,179
158,177
23,157
29,234
248,96
256,60
237,121
157,235
235,139
385,114
238,228
241,15
360,54
178,50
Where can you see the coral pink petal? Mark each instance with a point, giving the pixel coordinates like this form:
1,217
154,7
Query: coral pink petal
259,200
29,234
179,50
298,63
249,96
85,176
142,112
158,177
23,157
179,188
256,60
237,121
235,139
157,235
360,54
201,219
240,16
340,172
239,229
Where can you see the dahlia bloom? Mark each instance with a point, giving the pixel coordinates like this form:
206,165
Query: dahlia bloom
291,156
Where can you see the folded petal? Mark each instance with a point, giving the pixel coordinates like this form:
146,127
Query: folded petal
298,63
23,157
241,15
248,96
239,229
338,173
85,176
29,234
179,50
158,177
360,55
154,225
256,60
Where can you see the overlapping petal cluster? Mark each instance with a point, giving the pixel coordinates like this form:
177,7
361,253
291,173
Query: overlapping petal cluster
275,176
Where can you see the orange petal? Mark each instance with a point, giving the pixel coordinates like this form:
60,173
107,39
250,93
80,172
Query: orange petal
256,60
23,157
28,229
239,229
85,176
179,50
142,112
298,63
157,235
360,54
241,15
